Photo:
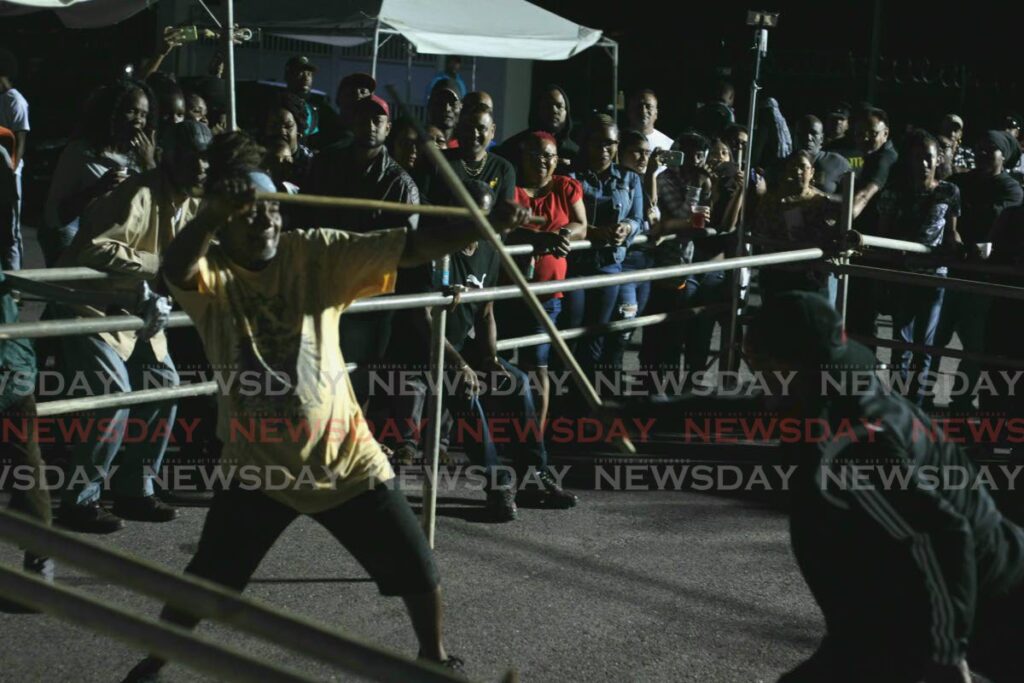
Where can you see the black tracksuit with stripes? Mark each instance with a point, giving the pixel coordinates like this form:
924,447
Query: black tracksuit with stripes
904,550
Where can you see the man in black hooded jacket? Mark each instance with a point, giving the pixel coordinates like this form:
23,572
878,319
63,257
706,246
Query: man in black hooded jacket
915,576
550,113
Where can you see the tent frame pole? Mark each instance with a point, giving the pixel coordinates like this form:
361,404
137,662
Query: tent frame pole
228,32
611,48
376,49
409,50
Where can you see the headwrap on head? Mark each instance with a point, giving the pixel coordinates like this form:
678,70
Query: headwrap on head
1002,141
261,181
545,136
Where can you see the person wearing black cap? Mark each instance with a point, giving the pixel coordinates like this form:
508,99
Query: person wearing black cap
336,129
915,578
984,193
443,109
836,123
125,233
298,78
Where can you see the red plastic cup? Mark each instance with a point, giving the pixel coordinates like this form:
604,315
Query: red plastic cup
697,218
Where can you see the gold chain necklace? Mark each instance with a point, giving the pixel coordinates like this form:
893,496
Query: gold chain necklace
473,172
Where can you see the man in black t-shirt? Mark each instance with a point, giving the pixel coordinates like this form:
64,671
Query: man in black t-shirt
471,161
872,130
487,391
984,193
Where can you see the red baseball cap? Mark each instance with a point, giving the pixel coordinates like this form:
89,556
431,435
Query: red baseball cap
375,103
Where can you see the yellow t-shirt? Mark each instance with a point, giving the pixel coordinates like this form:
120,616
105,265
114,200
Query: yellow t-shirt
289,409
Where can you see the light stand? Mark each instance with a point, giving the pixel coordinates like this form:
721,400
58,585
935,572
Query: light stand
761,21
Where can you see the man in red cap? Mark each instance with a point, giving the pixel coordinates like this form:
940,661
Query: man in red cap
363,168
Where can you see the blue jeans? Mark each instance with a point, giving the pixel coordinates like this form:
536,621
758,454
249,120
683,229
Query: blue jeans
92,359
966,314
592,307
10,241
917,319
54,241
633,297
663,343
513,411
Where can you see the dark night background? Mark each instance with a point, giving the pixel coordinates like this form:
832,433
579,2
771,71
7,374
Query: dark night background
817,55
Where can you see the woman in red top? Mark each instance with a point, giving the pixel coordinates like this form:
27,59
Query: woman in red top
558,199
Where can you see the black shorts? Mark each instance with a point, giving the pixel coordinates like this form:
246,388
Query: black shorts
377,527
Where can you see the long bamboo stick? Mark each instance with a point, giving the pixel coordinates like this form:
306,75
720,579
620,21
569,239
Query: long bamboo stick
488,233
373,205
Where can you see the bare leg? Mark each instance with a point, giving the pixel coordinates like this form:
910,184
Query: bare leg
543,396
427,614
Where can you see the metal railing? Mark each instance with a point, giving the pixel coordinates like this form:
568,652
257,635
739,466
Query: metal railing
210,601
198,597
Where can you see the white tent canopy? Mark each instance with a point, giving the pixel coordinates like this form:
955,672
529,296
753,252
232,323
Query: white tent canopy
486,28
510,29
79,13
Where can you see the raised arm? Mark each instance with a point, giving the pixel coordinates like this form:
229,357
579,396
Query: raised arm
182,256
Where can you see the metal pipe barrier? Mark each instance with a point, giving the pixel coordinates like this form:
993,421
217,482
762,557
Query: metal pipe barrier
202,599
131,398
162,639
127,323
935,351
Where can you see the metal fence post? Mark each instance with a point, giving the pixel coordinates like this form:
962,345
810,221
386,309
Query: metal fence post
845,226
439,321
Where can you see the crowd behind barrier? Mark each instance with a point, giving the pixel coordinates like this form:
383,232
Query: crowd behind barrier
269,241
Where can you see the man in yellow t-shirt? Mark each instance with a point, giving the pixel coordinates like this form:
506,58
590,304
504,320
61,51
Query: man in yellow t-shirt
269,304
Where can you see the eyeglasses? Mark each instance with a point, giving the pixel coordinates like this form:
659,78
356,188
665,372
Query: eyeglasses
546,158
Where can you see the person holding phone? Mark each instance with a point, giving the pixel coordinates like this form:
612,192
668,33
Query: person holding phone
614,198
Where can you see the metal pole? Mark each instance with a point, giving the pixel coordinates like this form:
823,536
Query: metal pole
229,67
615,82
472,82
211,601
56,328
409,49
435,408
170,642
845,226
732,338
376,48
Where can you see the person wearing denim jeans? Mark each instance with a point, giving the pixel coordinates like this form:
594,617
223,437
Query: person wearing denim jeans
614,199
923,210
125,233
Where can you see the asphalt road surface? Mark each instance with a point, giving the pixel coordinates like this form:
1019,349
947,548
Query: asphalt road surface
629,586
